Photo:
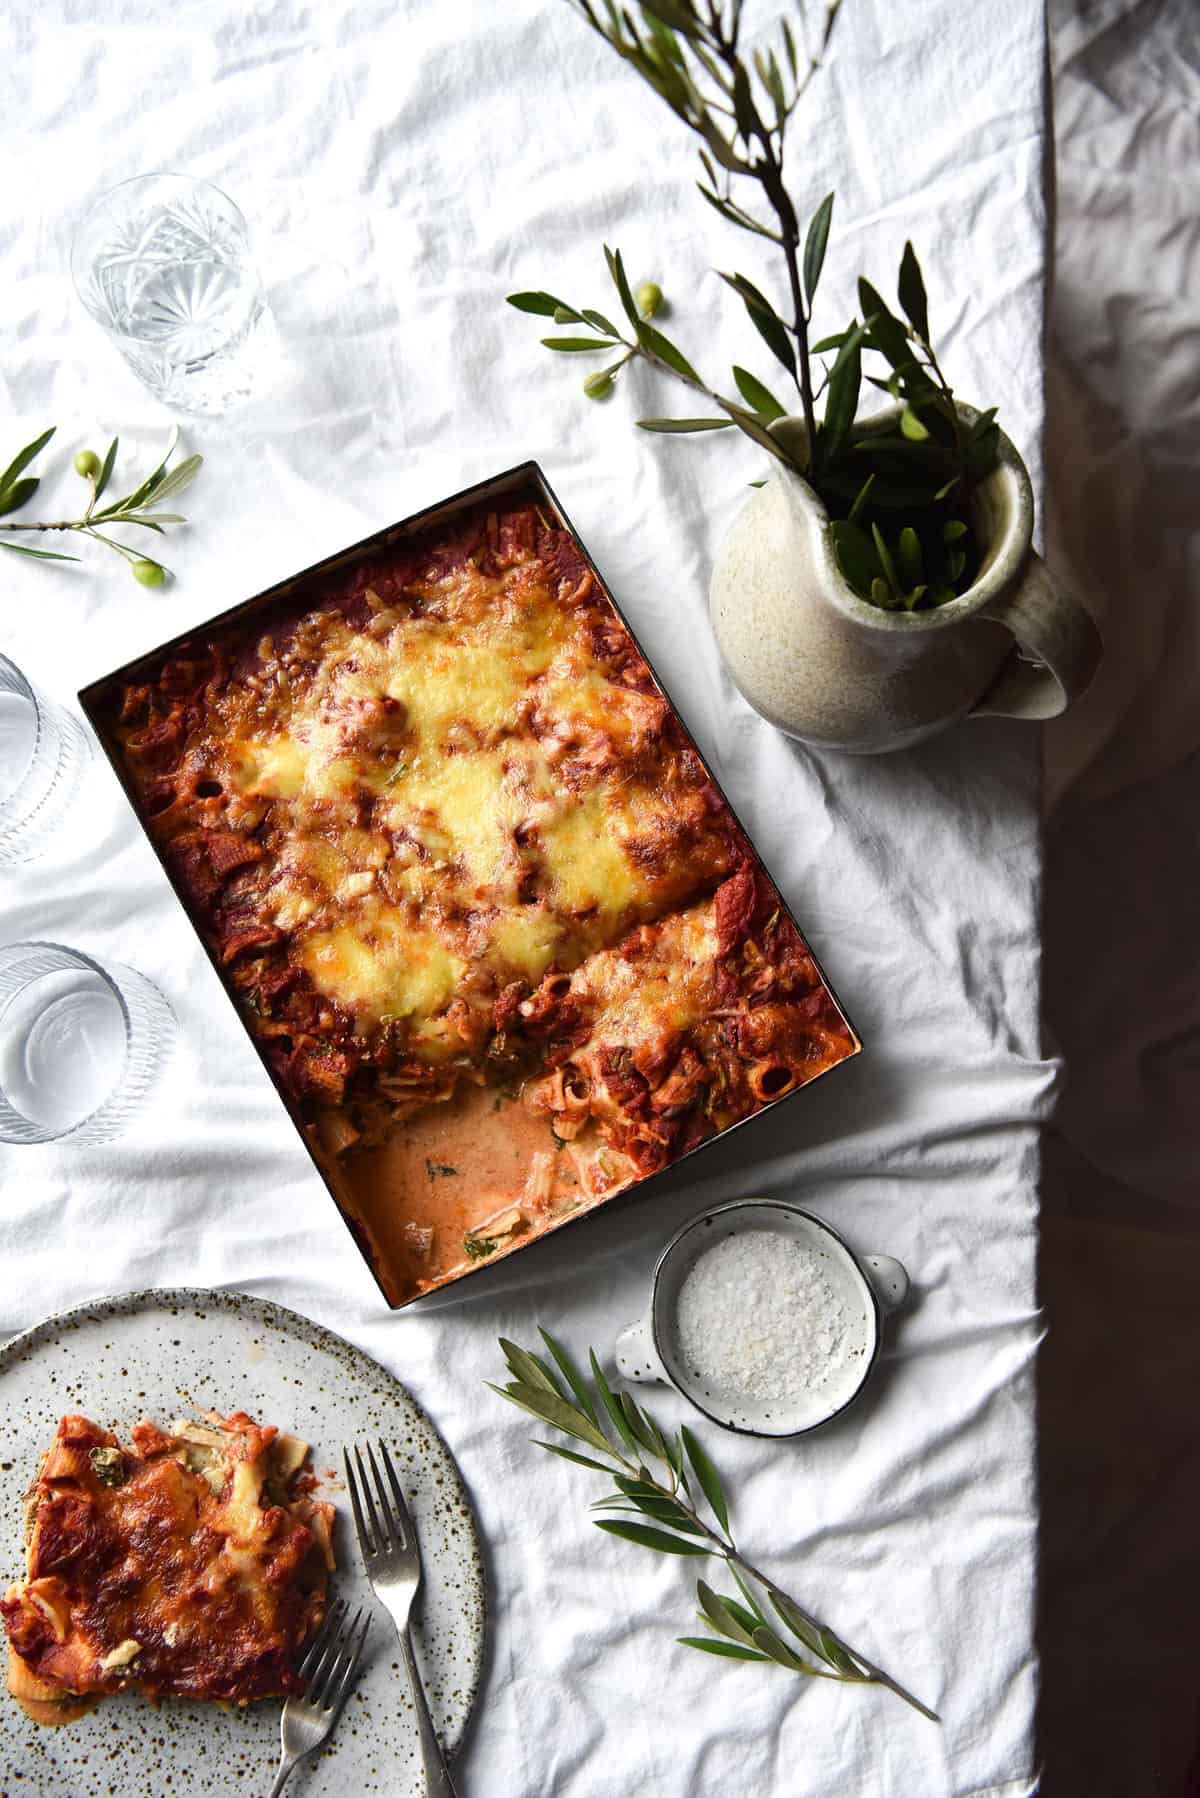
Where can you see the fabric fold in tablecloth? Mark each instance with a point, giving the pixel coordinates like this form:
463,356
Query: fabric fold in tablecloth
406,165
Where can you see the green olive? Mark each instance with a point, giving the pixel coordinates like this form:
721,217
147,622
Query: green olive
87,463
598,386
649,298
151,574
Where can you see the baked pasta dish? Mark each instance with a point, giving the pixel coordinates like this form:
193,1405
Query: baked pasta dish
492,924
188,1563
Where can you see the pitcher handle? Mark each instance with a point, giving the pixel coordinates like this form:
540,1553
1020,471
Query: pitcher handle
1053,629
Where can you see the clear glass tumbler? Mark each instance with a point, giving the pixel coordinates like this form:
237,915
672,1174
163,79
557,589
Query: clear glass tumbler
44,755
163,263
81,1043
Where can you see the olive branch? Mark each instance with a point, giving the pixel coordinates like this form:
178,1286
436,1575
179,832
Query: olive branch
661,1513
139,507
899,502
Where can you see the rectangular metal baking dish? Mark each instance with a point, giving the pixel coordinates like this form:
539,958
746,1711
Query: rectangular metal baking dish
524,478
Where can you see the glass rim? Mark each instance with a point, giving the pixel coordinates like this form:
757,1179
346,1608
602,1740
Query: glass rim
10,817
82,960
101,199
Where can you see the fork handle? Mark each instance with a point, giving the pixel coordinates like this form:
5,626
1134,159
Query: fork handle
438,1783
286,1768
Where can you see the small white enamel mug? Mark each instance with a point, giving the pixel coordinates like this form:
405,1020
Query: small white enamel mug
867,1286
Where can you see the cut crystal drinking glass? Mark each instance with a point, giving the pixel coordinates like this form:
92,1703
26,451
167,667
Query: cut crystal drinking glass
163,263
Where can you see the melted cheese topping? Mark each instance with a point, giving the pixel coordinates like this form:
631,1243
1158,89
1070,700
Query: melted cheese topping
529,938
586,855
381,970
634,1000
462,807
422,821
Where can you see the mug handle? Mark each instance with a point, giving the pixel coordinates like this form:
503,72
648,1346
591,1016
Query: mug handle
1057,651
636,1356
889,1279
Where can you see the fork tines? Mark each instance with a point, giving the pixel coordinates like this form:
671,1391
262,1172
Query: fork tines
386,1525
332,1659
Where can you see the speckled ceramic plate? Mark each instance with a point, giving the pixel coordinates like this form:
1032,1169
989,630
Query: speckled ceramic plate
158,1354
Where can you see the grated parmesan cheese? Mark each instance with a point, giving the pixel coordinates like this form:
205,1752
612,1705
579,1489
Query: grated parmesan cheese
759,1318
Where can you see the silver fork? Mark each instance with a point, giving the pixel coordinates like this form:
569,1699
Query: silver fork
392,1557
328,1670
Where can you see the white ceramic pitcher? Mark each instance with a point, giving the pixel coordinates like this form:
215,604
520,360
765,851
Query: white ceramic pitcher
830,668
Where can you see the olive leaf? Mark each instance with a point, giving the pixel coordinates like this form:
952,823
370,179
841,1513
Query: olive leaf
909,560
13,497
770,1643
40,555
106,468
790,47
814,246
800,1624
752,426
682,425
885,560
544,304
735,215
912,293
836,1653
644,1428
860,498
571,1374
163,485
665,351
709,1478
841,401
886,333
662,1510
609,1400
23,458
616,269
555,1410
649,1537
759,398
856,555
530,1369
764,318
569,1454
576,344
712,1645
723,1615
673,13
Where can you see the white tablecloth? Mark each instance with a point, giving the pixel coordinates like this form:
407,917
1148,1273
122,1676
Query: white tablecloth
405,166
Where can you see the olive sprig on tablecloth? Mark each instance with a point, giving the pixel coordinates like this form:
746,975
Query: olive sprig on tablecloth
612,1424
138,507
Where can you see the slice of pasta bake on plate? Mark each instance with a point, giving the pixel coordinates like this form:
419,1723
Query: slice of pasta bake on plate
190,1562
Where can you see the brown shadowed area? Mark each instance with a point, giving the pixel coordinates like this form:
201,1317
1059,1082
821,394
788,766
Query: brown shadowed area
1120,1262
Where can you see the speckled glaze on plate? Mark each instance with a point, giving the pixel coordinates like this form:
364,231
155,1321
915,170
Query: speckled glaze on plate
163,1353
